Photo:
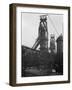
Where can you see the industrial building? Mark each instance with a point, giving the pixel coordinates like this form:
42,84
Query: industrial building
42,62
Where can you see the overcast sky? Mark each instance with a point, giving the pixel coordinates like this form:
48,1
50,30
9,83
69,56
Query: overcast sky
30,26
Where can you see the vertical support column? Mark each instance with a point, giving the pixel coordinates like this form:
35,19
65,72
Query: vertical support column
43,34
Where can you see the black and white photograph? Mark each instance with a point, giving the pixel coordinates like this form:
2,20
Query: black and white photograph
42,44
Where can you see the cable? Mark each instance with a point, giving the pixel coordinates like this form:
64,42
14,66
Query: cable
53,24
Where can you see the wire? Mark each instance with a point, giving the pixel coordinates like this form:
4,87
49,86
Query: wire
53,24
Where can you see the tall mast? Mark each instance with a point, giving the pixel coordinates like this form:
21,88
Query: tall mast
42,39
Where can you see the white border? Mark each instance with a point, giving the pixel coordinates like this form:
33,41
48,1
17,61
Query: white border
63,77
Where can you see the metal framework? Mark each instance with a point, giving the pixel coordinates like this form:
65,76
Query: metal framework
42,39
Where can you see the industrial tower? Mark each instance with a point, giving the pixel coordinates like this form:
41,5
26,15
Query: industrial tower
42,39
52,42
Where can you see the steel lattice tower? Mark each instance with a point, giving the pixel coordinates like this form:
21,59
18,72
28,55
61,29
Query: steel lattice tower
42,39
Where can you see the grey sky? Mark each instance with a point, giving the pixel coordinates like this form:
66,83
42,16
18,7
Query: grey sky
30,25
